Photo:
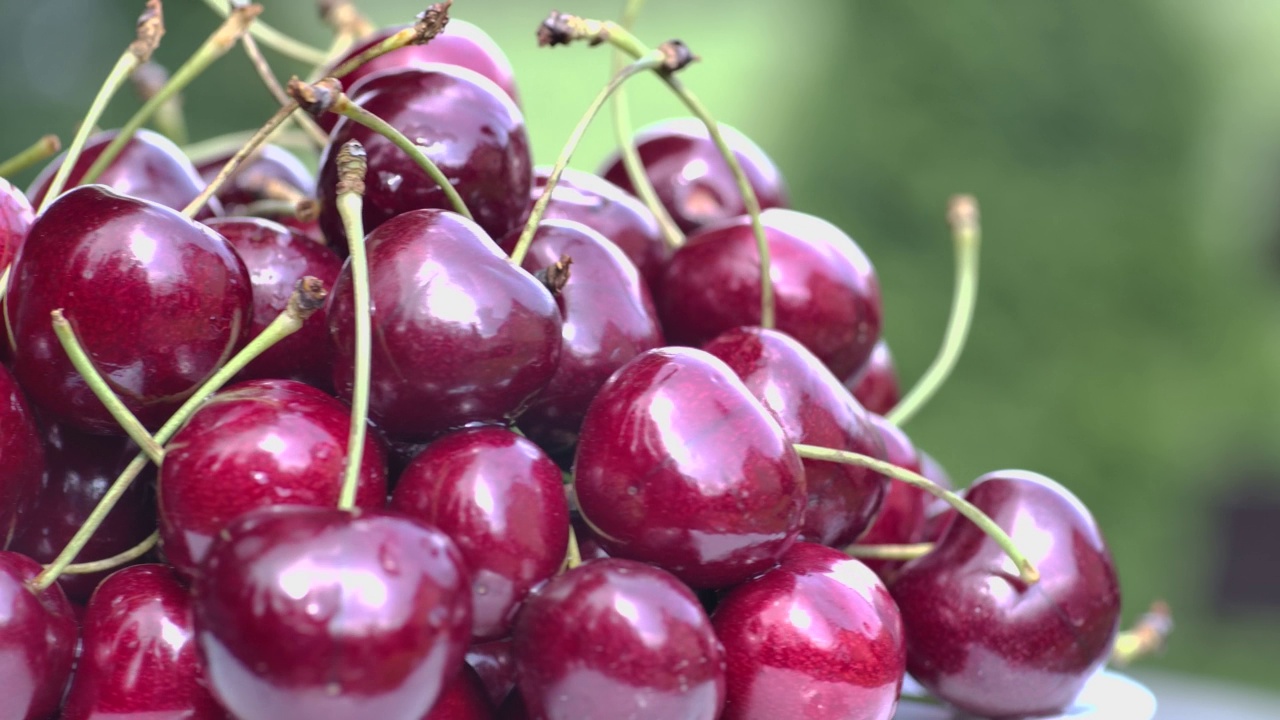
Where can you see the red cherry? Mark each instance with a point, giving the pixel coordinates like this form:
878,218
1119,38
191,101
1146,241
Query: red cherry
37,641
464,698
876,384
494,665
23,463
901,518
16,216
250,182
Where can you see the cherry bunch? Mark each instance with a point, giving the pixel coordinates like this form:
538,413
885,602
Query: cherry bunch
438,434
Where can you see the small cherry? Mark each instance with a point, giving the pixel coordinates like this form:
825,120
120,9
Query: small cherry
270,168
23,466
37,641
876,384
16,216
902,517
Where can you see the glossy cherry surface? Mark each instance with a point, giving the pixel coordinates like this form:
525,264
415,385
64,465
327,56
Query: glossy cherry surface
608,318
826,292
901,518
981,639
876,384
37,642
24,462
679,465
495,667
813,408
463,698
690,176
464,123
16,216
502,501
277,258
267,442
460,335
816,638
617,639
257,178
139,658
158,301
306,612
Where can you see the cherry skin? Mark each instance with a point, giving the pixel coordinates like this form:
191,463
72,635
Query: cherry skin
680,466
690,176
460,335
981,639
16,216
495,667
502,501
617,639
464,698
901,518
306,612
158,301
825,290
464,123
140,657
149,167
267,442
277,258
937,513
253,180
24,461
37,641
817,637
813,408
876,384
608,318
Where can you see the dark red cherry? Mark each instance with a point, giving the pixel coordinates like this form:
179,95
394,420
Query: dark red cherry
608,318
817,637
254,179
460,335
464,123
494,665
139,658
158,301
277,258
462,44
464,698
813,408
16,216
266,442
690,176
981,639
609,210
938,514
826,292
305,612
23,463
80,469
37,642
617,639
502,501
680,466
876,384
901,518
149,167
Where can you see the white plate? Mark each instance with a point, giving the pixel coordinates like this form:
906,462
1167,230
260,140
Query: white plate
1106,696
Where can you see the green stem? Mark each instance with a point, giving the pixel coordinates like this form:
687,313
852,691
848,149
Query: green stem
573,555
967,237
98,384
650,62
114,561
229,169
318,137
1026,570
429,24
352,165
275,39
889,552
43,149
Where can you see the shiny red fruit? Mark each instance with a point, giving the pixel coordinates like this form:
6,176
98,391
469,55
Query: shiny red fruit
269,169
23,463
876,384
902,518
37,642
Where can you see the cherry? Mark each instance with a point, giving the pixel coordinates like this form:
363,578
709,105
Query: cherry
270,164
149,167
616,638
464,698
589,547
679,465
876,384
814,408
692,179
501,500
817,637
23,463
981,639
901,518
16,216
937,513
277,258
158,301
608,318
466,125
317,612
140,657
827,295
37,641
267,442
494,665
460,335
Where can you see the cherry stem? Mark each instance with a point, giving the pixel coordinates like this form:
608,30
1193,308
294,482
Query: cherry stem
348,25
4,287
573,555
230,142
1147,636
352,165
653,60
42,149
560,28
1028,572
217,45
247,149
114,561
150,30
318,137
149,79
275,39
430,22
98,384
889,552
308,296
966,232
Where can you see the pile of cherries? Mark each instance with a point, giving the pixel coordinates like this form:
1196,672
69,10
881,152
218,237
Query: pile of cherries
595,481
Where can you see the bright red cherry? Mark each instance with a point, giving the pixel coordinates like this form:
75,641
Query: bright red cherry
876,384
902,518
680,466
817,637
254,179
464,698
37,642
826,292
981,639
23,463
617,639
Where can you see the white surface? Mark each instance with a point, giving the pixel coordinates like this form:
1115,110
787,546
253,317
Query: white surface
1107,696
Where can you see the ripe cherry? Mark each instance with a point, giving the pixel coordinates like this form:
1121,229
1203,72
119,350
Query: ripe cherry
876,384
37,641
24,462
270,165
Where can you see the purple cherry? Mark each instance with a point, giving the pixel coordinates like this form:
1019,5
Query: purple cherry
16,216
876,384
23,463
37,641
252,181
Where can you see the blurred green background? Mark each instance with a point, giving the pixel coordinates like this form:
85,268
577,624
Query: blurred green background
1127,159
